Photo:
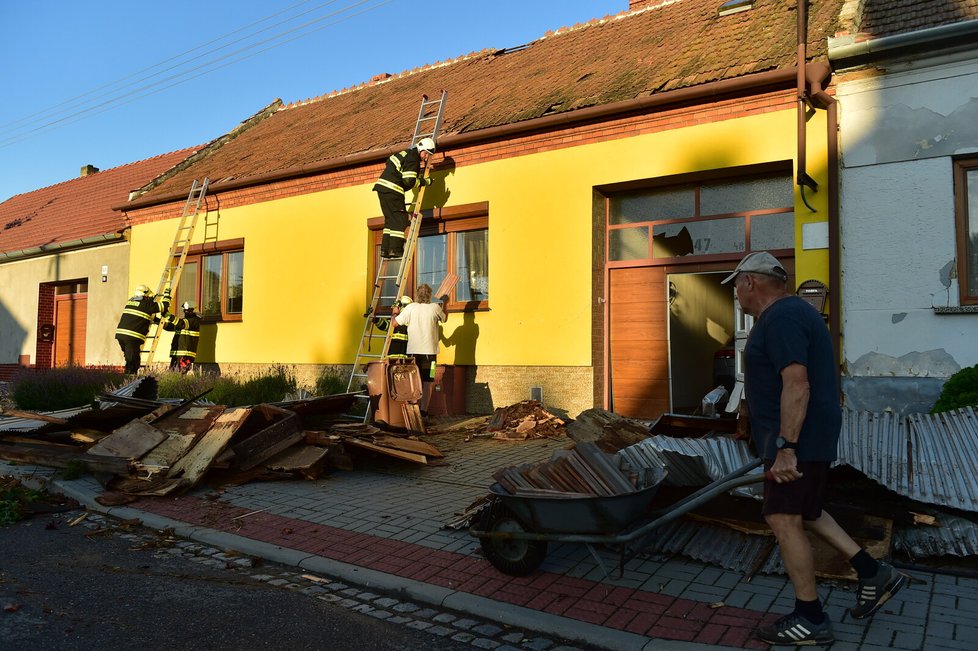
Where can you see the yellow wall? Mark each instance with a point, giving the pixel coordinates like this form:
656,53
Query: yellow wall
305,262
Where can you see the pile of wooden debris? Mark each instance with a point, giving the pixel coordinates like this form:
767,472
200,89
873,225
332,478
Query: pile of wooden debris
584,471
141,447
525,420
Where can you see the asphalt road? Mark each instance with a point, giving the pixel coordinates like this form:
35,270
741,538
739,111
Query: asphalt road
85,587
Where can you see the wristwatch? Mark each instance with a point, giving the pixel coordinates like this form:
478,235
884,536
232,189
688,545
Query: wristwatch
783,443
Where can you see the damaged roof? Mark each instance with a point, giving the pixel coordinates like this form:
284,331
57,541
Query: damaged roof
669,45
880,18
79,208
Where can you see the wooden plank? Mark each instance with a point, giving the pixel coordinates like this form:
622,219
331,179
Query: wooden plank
413,421
17,438
281,433
599,462
409,445
194,464
391,452
169,451
132,440
451,278
302,459
19,413
52,457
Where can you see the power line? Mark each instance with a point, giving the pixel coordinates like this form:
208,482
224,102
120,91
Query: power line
181,77
72,101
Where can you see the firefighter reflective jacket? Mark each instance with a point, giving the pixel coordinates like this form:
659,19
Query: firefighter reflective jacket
399,338
186,334
401,172
138,314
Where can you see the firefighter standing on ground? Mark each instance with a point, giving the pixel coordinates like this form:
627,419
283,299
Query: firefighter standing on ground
401,174
399,338
134,324
186,334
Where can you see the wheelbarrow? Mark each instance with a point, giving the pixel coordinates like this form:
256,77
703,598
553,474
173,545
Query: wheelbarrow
514,529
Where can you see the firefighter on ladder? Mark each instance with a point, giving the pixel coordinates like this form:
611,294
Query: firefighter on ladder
401,174
134,323
186,334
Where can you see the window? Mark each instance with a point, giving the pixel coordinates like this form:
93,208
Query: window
213,278
966,217
452,239
709,217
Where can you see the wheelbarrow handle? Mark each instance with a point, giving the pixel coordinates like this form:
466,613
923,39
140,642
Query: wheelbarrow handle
735,479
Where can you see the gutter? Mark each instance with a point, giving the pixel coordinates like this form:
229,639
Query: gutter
773,78
846,47
45,249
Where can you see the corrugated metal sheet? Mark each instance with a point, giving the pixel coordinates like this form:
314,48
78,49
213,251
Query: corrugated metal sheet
692,461
956,537
11,424
928,458
139,387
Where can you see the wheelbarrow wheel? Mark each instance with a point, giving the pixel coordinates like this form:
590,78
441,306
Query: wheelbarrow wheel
510,555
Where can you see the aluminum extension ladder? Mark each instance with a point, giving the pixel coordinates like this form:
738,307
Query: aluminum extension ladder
392,272
177,255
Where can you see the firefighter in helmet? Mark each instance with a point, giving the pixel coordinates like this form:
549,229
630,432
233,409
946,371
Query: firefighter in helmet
403,172
186,334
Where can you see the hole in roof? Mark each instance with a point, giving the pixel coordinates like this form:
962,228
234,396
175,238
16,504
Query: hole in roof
734,6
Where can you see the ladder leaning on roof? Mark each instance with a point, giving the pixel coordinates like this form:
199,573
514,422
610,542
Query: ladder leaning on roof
392,272
177,255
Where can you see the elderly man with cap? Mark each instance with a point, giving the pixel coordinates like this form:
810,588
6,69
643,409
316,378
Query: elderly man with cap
137,315
402,173
795,417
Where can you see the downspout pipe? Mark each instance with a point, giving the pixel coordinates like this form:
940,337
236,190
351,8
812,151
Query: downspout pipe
803,180
780,78
822,99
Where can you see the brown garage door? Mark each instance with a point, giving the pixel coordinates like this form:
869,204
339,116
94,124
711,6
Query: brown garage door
71,316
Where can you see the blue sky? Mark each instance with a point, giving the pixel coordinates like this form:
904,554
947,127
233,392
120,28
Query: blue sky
86,82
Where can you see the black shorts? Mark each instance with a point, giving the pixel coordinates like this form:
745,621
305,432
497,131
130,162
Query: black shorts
804,496
426,366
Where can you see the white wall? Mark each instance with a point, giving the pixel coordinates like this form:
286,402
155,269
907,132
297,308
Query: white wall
19,283
898,226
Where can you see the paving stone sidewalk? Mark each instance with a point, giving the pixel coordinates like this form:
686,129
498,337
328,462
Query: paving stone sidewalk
381,528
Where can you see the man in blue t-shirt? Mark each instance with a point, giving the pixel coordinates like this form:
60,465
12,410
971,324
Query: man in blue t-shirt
795,417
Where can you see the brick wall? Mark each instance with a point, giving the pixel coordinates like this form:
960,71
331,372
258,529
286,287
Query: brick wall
44,357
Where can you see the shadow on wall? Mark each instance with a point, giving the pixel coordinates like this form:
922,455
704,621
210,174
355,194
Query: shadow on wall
207,346
464,339
12,337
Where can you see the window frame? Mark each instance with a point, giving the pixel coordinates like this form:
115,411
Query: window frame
195,255
962,219
438,221
693,180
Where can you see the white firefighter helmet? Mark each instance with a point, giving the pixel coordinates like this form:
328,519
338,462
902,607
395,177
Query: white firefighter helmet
426,144
189,305
141,290
405,300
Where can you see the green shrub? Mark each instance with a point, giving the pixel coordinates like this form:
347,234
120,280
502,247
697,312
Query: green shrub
13,496
961,390
178,385
61,388
269,386
331,381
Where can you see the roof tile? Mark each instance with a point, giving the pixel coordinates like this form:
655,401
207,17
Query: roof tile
662,47
78,208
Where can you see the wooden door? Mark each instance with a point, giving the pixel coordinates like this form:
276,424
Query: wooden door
70,319
638,355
